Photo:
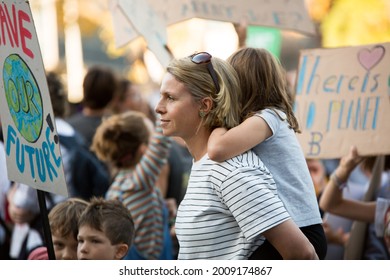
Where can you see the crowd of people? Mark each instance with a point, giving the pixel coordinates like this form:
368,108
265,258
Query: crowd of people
212,171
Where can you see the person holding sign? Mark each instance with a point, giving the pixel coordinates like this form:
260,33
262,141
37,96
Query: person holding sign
232,206
269,126
375,212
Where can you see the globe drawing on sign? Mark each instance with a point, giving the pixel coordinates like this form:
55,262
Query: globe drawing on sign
23,97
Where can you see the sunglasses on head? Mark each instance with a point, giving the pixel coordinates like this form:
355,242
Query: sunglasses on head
204,57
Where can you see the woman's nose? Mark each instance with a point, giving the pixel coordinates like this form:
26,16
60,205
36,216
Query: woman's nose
159,108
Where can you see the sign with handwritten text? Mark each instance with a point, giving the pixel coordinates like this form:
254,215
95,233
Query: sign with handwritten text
124,30
27,120
343,99
283,14
150,18
152,27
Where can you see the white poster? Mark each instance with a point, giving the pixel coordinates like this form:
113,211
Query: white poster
30,136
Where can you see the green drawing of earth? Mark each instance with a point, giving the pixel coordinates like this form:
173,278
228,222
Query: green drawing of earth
23,97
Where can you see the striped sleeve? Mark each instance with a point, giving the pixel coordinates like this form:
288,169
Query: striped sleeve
148,169
251,196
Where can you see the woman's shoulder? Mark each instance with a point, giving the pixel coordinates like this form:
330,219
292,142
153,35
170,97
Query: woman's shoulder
247,160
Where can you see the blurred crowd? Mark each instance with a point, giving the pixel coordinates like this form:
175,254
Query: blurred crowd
126,179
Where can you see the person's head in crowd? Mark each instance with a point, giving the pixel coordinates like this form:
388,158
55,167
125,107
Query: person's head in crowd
368,163
129,97
122,139
57,94
318,174
63,219
263,83
106,231
99,86
214,103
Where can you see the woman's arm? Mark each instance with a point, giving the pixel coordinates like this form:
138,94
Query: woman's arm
224,144
332,200
290,242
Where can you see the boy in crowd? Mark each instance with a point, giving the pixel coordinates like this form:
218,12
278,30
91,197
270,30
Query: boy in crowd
106,231
63,220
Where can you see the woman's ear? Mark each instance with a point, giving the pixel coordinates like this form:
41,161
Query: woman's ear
206,105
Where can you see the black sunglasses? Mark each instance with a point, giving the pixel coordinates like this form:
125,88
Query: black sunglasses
205,57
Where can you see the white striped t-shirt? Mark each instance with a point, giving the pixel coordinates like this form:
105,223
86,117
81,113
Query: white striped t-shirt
226,208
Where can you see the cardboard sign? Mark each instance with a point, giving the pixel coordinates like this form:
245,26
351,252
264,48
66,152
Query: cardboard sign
343,99
30,136
151,18
282,14
150,26
124,30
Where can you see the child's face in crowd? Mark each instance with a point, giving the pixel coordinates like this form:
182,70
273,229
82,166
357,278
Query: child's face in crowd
94,245
65,248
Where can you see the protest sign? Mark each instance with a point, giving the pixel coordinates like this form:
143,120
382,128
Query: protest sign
343,99
124,30
282,14
150,19
152,27
30,136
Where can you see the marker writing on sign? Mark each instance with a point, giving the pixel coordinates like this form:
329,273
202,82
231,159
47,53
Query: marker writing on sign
14,28
41,158
51,126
